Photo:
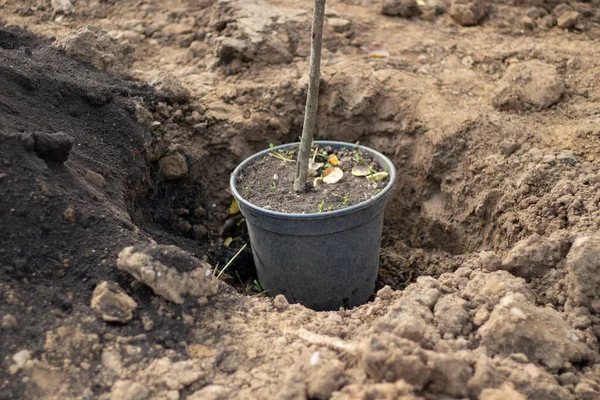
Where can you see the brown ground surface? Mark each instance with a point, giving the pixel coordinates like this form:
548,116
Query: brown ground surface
491,246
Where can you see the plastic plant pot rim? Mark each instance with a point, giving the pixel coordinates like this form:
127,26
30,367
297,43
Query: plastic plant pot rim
328,214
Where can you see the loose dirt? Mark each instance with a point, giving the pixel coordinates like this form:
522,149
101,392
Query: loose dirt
121,122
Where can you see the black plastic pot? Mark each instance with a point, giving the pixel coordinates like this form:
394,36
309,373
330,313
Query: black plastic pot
324,260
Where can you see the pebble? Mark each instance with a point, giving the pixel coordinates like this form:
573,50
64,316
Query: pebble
508,148
567,20
95,178
20,359
280,302
112,303
8,322
174,166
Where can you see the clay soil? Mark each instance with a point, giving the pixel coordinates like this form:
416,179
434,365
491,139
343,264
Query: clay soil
489,286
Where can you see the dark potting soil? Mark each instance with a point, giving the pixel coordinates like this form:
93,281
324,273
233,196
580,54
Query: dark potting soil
268,182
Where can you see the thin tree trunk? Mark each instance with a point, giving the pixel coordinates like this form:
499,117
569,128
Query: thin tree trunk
312,100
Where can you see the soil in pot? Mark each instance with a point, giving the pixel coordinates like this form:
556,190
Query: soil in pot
338,178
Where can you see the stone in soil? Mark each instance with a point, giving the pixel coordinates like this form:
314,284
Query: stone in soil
95,178
567,20
583,272
468,12
112,303
174,166
528,84
170,271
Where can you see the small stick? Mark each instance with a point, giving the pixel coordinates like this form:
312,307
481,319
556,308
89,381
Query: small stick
230,261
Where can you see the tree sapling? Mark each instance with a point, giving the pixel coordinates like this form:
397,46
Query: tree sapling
310,113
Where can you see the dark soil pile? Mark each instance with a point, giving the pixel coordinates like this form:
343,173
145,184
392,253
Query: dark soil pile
62,224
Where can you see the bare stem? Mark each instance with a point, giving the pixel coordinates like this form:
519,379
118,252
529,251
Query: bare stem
312,100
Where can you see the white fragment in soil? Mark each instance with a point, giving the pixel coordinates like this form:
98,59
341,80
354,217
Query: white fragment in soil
275,176
573,337
518,313
315,358
20,359
208,272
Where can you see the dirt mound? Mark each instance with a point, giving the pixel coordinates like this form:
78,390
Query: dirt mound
490,243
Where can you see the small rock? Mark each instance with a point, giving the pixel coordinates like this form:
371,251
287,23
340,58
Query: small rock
62,7
528,23
385,293
468,12
110,301
94,46
174,166
19,359
230,49
280,302
168,86
532,257
157,266
401,8
338,24
567,20
528,84
53,147
8,322
128,390
583,271
95,178
69,214
508,148
147,322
